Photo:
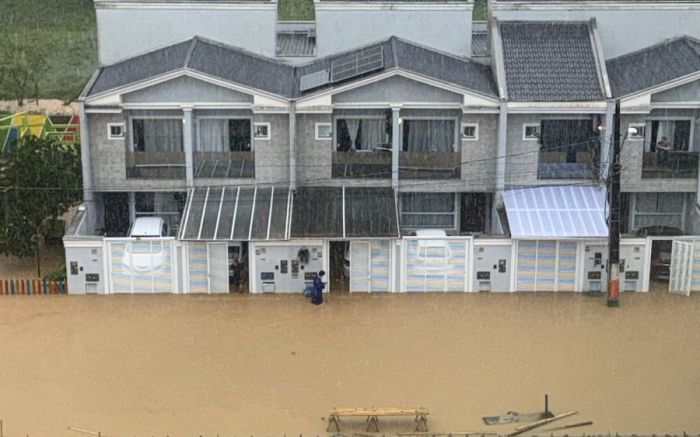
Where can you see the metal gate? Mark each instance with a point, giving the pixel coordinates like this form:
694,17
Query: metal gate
437,264
681,276
141,266
370,266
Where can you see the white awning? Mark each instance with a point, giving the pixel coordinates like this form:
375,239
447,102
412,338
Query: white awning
567,211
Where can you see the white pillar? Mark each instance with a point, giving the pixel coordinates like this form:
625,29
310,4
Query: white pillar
395,147
188,145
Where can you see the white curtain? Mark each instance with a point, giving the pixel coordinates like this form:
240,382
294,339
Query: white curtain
213,135
162,135
430,135
667,129
373,134
353,126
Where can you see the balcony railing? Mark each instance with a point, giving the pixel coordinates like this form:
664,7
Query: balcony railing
155,165
362,164
429,165
563,164
229,165
671,165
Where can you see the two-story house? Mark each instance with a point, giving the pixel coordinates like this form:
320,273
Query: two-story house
288,166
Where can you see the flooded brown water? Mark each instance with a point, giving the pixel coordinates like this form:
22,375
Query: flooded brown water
269,365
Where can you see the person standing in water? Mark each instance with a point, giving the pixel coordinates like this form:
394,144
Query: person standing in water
319,285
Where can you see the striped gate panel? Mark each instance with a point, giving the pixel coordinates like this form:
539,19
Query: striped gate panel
163,271
359,266
218,267
415,266
381,265
435,268
456,263
120,268
567,266
199,282
546,265
527,264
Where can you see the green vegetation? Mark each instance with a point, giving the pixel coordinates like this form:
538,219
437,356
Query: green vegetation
480,10
62,32
40,180
296,10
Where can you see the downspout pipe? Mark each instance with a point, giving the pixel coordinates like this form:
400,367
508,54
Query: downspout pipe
292,147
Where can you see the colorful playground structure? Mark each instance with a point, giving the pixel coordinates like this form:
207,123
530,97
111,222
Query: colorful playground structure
64,128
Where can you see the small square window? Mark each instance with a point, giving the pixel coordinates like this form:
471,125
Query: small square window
470,131
262,131
531,131
639,131
324,131
115,131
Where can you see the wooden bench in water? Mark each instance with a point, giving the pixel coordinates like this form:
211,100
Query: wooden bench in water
372,414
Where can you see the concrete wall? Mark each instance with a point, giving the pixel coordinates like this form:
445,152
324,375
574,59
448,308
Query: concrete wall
622,30
397,90
340,27
272,156
689,92
186,90
108,158
89,259
632,153
128,31
479,157
314,157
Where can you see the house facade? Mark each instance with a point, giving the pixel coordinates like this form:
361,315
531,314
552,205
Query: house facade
388,157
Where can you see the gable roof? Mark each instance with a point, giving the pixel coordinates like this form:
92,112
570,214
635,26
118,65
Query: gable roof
280,78
550,61
654,65
199,55
414,58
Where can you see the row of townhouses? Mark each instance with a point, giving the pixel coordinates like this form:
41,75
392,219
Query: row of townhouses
398,145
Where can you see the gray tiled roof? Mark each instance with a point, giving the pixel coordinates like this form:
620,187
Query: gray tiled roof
421,60
277,77
550,61
204,56
654,65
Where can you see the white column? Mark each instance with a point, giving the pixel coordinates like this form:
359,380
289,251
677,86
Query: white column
395,147
188,145
501,151
606,139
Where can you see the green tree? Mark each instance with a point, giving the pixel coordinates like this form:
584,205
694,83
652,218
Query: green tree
40,179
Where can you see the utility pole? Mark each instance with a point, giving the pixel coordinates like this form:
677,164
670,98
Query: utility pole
614,223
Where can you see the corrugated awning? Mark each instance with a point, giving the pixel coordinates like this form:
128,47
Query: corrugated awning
565,211
344,212
274,213
236,213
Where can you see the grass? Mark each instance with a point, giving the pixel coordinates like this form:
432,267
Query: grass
480,10
64,32
296,10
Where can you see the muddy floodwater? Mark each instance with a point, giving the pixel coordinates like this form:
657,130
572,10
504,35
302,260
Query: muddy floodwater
136,365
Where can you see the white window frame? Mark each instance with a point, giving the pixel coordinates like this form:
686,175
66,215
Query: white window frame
530,138
222,117
330,132
262,137
634,213
457,133
454,213
637,137
114,137
476,131
649,121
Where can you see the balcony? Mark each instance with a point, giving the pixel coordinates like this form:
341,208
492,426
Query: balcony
429,165
362,164
155,165
674,164
224,165
567,163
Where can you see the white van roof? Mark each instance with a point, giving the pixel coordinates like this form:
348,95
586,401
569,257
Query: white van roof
147,227
431,233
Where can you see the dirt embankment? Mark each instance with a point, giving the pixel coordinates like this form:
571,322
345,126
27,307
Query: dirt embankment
45,106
